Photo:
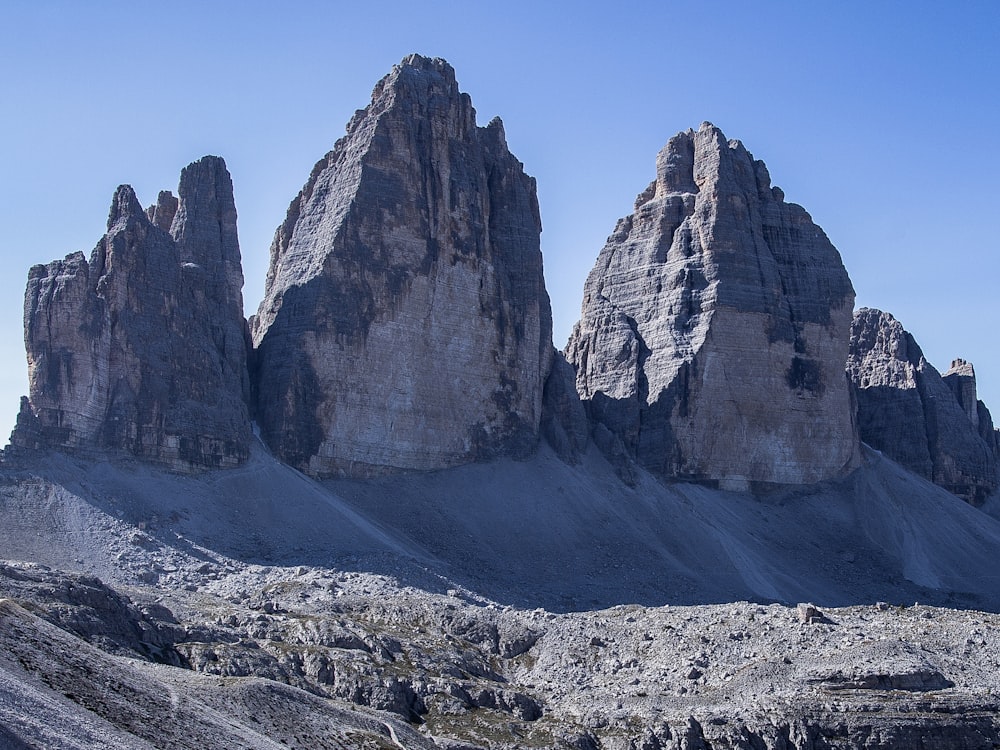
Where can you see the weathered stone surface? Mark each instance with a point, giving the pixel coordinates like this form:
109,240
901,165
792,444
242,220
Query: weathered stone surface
405,322
564,419
933,426
961,378
143,349
715,327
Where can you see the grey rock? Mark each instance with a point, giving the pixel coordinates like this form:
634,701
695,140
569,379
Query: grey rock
933,426
808,614
143,348
564,418
58,692
961,378
85,606
715,327
405,323
162,213
910,677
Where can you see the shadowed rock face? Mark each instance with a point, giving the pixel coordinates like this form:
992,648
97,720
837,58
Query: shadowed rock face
933,426
143,349
405,322
715,327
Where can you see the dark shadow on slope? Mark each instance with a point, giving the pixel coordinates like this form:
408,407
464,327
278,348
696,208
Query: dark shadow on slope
535,533
86,515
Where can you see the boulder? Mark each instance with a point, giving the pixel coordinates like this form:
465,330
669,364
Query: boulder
715,327
405,322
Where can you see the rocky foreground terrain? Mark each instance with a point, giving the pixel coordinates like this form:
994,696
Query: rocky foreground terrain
385,512
266,656
220,618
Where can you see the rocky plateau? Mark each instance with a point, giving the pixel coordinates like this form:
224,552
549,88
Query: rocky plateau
385,512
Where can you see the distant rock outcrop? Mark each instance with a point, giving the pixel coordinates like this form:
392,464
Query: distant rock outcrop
144,348
961,378
405,322
933,426
715,327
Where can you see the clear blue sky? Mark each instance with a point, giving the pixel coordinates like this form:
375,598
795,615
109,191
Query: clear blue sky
881,118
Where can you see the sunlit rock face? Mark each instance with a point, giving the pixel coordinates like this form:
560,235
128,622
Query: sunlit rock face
715,327
933,425
143,349
405,323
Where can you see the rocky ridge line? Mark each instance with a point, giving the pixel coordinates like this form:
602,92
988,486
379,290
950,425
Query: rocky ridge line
405,322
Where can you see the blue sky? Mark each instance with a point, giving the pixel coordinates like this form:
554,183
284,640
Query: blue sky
881,118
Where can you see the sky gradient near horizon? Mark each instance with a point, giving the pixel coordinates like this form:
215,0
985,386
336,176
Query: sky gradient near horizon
881,119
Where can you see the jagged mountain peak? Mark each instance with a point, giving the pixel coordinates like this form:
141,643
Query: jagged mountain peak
934,426
405,322
715,326
142,350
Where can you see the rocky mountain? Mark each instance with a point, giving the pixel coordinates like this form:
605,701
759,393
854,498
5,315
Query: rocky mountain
405,322
433,546
143,349
934,426
259,608
715,326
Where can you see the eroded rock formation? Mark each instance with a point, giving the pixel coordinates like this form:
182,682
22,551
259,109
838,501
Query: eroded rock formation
405,322
933,426
715,327
143,348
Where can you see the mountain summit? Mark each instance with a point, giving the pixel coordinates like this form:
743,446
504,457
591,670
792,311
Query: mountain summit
715,327
405,322
143,349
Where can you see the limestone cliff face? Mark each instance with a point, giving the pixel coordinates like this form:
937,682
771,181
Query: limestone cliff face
143,348
715,327
933,426
405,322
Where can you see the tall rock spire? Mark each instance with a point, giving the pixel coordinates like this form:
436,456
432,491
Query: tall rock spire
715,327
144,348
405,322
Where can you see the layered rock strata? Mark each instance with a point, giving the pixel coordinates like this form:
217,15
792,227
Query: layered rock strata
715,327
143,349
405,323
933,426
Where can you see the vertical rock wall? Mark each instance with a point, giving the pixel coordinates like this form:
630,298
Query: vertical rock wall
405,322
934,426
143,348
715,327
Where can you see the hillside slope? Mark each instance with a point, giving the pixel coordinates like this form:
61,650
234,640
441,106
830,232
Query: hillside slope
535,533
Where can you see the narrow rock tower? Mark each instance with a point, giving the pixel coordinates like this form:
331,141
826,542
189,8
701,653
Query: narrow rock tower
144,348
715,327
405,323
